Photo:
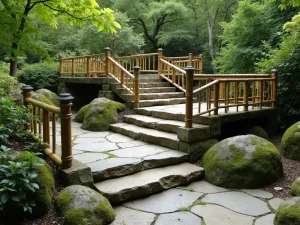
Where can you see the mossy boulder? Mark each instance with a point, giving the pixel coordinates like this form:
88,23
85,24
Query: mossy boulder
99,114
82,205
42,98
258,131
51,96
288,212
290,143
245,161
296,187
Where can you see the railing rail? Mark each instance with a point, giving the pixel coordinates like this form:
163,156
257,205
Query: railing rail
184,61
233,91
40,125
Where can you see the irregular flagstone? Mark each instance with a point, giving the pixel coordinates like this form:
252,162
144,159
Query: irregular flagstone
217,215
90,157
95,134
265,220
132,144
118,138
80,140
126,216
140,151
178,218
75,152
96,147
165,202
203,187
258,193
239,202
165,158
115,167
275,202
149,182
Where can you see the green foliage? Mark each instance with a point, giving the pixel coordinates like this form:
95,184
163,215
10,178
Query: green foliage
40,75
17,181
285,59
4,68
8,85
36,147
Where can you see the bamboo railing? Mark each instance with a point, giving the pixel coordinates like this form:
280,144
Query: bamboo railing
222,91
40,125
86,66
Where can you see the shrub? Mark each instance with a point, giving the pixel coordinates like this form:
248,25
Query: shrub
8,85
40,75
4,68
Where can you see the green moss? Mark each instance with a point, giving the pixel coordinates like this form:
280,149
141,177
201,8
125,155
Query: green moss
295,188
42,98
80,115
258,131
238,171
43,197
51,96
185,209
110,155
290,143
288,212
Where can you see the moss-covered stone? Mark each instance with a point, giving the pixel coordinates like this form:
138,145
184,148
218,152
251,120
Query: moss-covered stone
295,188
43,197
258,131
290,143
81,205
51,96
42,98
99,114
288,212
245,161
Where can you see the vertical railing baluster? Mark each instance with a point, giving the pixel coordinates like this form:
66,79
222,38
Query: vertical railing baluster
189,97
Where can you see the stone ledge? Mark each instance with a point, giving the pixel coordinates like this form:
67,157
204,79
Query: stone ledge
197,133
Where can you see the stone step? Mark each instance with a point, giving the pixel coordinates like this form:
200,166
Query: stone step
152,96
157,102
170,126
157,137
148,182
154,84
150,79
134,159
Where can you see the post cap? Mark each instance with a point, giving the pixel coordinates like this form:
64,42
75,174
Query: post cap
190,54
26,88
107,49
136,68
65,97
160,49
274,71
189,68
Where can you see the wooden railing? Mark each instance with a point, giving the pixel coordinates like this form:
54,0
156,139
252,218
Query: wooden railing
128,81
223,91
83,66
40,125
184,61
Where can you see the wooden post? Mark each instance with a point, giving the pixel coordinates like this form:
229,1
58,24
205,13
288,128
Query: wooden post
274,74
159,64
73,68
60,66
136,71
107,55
189,96
66,129
122,77
173,76
46,128
201,64
88,66
191,59
216,98
27,93
246,92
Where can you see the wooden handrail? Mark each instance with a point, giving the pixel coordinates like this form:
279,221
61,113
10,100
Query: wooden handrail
205,87
43,106
134,56
120,67
173,66
80,57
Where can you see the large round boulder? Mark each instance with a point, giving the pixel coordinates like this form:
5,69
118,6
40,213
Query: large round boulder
296,187
82,205
288,212
51,96
245,161
258,131
99,114
290,143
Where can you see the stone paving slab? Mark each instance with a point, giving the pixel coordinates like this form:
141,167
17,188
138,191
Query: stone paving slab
90,157
239,202
95,134
140,151
126,216
178,218
265,220
132,144
165,202
80,140
96,147
275,202
217,215
258,193
203,187
149,181
115,167
118,138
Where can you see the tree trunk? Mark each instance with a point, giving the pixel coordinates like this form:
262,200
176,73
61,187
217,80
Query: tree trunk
211,46
13,67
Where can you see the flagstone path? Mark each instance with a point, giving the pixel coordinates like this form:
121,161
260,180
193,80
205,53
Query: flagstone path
198,203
